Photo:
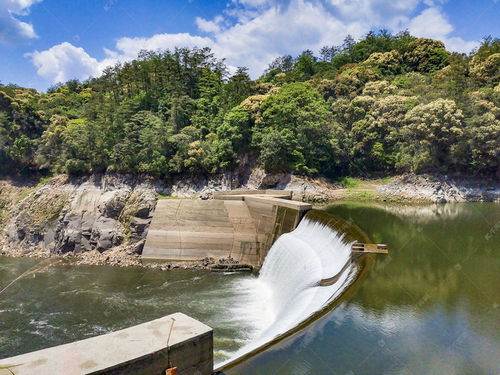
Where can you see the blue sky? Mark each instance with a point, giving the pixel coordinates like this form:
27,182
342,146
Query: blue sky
43,42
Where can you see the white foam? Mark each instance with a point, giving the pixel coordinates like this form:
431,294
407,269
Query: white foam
287,292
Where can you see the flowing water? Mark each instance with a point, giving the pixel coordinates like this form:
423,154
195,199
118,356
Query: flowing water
289,280
47,303
63,303
429,307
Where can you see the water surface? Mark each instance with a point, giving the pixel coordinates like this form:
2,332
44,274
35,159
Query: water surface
430,307
63,303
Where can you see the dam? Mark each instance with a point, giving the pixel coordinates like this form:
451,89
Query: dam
240,225
264,229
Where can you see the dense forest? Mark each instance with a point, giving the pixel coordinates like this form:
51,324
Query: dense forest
382,105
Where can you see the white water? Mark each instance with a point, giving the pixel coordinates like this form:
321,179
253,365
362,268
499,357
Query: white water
287,292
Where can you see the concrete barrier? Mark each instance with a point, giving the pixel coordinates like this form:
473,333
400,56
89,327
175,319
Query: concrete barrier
148,348
242,225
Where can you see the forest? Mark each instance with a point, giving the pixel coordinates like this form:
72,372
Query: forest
382,105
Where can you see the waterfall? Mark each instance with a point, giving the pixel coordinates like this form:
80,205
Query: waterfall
287,291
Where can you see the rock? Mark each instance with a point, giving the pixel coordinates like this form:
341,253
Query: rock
88,214
442,189
136,248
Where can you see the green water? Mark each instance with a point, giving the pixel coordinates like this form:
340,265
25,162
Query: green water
430,307
64,303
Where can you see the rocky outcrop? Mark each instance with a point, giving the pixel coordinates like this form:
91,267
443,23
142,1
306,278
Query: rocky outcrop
303,188
442,189
96,213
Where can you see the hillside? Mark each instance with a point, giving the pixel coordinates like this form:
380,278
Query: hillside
385,105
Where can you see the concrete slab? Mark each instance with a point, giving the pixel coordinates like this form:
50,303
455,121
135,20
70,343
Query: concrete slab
142,349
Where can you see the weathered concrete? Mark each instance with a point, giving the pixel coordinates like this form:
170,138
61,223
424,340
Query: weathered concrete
242,225
142,349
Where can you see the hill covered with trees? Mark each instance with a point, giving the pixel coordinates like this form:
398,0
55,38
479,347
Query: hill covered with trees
383,105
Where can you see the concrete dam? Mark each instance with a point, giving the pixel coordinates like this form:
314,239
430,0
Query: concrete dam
242,225
307,259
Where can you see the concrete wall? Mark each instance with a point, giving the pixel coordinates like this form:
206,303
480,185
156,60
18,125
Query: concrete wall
241,225
141,349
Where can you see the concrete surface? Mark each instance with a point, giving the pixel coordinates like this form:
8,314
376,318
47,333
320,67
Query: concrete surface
242,225
141,349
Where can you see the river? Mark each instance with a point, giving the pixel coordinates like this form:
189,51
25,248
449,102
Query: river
429,307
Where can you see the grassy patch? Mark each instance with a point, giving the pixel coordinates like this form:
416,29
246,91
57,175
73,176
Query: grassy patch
46,208
384,180
362,195
3,215
350,182
44,180
23,194
130,210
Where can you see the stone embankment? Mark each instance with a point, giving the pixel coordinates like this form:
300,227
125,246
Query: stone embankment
104,219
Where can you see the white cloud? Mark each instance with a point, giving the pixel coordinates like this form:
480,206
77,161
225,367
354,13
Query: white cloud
209,26
64,62
12,30
128,48
432,23
253,32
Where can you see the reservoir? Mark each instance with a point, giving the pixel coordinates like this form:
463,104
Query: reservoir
430,306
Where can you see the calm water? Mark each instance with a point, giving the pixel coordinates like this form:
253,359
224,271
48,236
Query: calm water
430,307
60,304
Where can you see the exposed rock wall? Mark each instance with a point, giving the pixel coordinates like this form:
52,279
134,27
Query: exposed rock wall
95,213
442,189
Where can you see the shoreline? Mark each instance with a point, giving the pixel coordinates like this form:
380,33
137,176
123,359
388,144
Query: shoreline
114,257
104,219
123,256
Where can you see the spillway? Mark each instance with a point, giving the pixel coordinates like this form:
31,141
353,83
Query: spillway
289,288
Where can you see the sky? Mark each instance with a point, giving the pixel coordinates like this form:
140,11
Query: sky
43,42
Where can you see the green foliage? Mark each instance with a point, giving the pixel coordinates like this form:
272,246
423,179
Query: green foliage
350,182
426,55
294,132
383,104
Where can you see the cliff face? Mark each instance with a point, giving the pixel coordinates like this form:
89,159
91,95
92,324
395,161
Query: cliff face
78,215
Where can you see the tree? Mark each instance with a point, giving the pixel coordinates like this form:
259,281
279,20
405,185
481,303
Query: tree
304,67
327,53
299,115
82,145
239,87
281,151
426,55
429,135
482,132
388,63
